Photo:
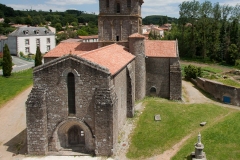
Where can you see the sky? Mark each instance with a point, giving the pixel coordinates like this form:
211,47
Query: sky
149,7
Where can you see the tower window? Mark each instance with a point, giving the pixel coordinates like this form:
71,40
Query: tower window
118,8
117,38
129,3
107,3
71,93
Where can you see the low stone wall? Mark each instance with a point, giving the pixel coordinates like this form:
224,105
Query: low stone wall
219,91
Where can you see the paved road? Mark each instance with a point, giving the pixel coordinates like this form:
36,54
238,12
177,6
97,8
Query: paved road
20,64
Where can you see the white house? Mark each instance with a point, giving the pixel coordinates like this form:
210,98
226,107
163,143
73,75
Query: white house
26,40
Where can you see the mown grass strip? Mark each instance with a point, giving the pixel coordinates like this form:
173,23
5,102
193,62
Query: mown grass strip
178,120
221,141
14,84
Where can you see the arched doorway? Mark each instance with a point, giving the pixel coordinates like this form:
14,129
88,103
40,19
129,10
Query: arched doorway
153,91
76,136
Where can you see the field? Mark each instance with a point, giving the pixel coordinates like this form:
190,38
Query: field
14,84
179,120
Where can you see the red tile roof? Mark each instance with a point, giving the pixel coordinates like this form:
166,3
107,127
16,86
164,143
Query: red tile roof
136,35
114,57
154,48
89,37
71,47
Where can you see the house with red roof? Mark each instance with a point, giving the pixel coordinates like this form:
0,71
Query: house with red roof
85,91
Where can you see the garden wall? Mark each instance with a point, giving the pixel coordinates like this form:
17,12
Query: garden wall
221,92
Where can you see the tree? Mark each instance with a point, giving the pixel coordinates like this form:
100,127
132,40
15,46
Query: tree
7,62
38,57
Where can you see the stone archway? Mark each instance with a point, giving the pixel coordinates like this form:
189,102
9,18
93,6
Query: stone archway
72,134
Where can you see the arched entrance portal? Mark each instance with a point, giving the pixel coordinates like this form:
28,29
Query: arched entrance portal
72,134
76,136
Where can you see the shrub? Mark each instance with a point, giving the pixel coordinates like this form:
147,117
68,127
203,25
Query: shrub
38,58
21,54
192,71
1,61
7,62
237,63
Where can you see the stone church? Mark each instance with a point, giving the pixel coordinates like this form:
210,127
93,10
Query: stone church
84,92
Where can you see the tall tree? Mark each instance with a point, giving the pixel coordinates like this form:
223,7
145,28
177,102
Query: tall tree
7,62
38,57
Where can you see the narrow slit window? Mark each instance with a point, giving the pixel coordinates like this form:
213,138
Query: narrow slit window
129,3
117,38
107,3
118,8
71,93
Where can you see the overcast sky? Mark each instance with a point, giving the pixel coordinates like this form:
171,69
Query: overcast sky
150,7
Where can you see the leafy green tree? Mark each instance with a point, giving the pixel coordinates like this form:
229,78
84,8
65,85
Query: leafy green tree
81,32
233,54
58,27
7,62
38,57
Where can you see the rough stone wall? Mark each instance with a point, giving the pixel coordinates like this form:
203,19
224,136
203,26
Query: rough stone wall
158,76
48,59
137,48
106,101
109,27
54,79
219,90
175,79
123,24
131,89
125,10
36,123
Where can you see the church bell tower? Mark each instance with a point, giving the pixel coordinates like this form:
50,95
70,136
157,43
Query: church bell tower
118,19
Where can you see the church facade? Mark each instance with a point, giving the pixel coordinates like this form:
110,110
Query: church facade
84,92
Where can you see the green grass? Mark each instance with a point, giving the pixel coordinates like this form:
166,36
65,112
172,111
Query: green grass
212,69
221,141
178,120
14,84
229,82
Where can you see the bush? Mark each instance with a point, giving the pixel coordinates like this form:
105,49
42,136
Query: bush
21,54
1,61
38,57
192,72
237,63
7,62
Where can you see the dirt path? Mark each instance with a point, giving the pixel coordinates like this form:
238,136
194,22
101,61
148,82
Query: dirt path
13,125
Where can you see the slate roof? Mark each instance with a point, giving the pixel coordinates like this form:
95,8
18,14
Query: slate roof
160,48
75,48
31,31
114,57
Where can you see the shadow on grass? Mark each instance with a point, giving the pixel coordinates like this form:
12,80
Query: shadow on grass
18,144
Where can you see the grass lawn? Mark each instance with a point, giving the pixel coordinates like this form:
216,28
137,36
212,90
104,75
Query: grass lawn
178,120
15,84
221,141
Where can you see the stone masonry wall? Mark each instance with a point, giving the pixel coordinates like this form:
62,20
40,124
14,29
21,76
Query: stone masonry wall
219,90
158,76
125,10
54,79
122,26
175,79
137,48
106,101
36,123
